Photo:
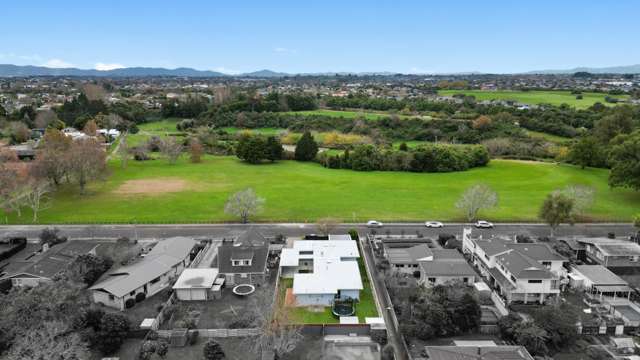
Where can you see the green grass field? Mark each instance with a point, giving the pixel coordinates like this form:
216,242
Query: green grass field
260,131
352,114
537,97
549,137
304,192
156,128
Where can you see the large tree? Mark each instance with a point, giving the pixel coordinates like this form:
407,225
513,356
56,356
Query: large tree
112,333
620,121
86,161
273,149
587,152
475,198
306,148
244,204
51,155
556,209
624,159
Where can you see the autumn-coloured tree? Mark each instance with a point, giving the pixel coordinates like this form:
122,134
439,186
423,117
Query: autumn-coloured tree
86,160
90,128
50,162
483,122
195,150
94,92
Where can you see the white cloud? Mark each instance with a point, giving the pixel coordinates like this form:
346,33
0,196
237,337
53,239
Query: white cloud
106,67
57,63
283,50
416,70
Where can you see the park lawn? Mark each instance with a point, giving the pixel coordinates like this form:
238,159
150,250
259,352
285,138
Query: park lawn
410,143
261,131
556,98
352,114
303,192
549,137
159,128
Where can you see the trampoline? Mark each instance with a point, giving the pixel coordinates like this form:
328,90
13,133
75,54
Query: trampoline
244,289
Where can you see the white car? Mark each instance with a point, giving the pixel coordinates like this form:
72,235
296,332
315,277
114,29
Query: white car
374,224
433,224
481,224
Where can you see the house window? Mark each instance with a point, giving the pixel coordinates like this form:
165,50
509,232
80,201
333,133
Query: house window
535,281
132,293
111,297
432,280
633,258
486,257
513,278
399,265
547,264
306,252
235,262
246,262
155,280
465,280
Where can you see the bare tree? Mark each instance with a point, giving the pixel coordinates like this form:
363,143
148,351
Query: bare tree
244,204
581,195
36,197
94,92
475,198
171,149
123,151
277,332
86,161
18,197
327,225
90,128
44,118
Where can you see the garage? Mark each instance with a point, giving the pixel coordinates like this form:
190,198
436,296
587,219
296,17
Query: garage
195,284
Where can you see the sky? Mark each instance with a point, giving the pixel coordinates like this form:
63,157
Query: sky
301,36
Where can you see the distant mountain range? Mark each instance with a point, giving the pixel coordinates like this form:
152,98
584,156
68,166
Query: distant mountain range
629,69
8,70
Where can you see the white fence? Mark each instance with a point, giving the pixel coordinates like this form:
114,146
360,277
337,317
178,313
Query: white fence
499,303
216,333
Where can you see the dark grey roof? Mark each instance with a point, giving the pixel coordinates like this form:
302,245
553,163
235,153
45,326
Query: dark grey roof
408,255
258,254
447,262
251,237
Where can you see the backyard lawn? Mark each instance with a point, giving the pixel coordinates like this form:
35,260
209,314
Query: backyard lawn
155,192
537,97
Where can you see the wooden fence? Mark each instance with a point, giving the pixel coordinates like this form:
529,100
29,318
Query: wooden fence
216,333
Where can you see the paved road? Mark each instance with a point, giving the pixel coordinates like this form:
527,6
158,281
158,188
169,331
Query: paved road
221,230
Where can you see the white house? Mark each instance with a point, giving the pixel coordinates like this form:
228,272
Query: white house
521,272
195,284
322,271
148,276
599,281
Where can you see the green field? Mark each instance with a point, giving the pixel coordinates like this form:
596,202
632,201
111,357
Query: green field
352,114
304,192
537,97
260,131
157,128
549,137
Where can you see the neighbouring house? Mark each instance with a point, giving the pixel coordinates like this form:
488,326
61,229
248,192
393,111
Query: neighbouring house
406,259
477,352
322,271
243,260
611,253
599,281
35,264
446,265
519,272
196,284
146,277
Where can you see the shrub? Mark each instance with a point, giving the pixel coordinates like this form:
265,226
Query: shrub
193,337
140,297
51,236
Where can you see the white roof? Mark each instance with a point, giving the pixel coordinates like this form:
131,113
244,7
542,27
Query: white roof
329,276
474,343
147,323
481,286
326,249
333,266
196,278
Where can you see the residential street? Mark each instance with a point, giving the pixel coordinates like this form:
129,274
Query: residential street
296,229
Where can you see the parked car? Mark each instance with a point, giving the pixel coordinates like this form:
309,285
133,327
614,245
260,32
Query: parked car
433,224
482,224
374,224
